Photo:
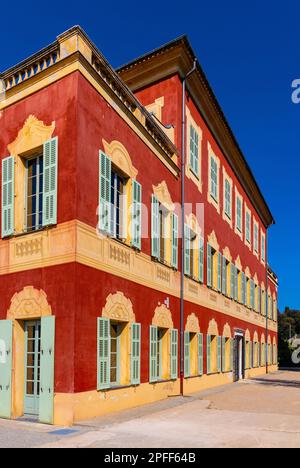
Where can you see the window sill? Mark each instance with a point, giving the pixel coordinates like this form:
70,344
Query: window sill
27,233
118,387
193,377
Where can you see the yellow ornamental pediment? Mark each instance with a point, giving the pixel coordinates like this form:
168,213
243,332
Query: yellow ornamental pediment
192,324
120,158
162,193
162,317
227,331
213,241
32,135
118,307
213,328
238,263
29,303
227,254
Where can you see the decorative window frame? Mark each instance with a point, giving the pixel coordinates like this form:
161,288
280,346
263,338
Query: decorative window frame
210,198
190,174
248,243
239,232
228,179
29,141
255,225
162,193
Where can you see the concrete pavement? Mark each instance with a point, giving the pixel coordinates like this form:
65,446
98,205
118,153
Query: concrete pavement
259,413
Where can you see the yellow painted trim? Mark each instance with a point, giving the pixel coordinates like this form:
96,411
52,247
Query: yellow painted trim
75,241
65,67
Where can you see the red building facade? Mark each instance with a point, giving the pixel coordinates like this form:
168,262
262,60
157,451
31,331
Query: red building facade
90,251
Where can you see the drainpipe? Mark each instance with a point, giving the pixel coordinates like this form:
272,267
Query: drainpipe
267,311
183,151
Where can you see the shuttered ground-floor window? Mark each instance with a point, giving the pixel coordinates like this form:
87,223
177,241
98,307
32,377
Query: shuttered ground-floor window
163,354
118,354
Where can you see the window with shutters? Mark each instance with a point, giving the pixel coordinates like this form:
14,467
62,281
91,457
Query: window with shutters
247,355
226,354
33,205
226,277
191,354
247,226
118,205
34,193
213,179
263,248
227,198
119,353
193,169
215,351
214,269
115,353
163,354
239,214
194,150
256,238
164,234
263,302
191,252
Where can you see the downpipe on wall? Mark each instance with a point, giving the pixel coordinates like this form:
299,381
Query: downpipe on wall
183,159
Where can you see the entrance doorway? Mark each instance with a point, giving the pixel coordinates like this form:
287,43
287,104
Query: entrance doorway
239,357
32,367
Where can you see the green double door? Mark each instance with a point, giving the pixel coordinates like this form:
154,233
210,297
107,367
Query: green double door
39,368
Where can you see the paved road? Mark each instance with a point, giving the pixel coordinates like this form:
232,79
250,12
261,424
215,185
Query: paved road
257,413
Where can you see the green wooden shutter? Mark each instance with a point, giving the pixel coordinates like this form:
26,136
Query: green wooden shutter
232,281
6,335
200,353
103,354
251,355
8,196
208,354
223,354
231,353
187,369
174,241
136,221
155,227
174,354
187,250
50,182
104,192
224,276
209,266
201,259
192,150
153,353
259,299
219,272
46,409
219,353
135,354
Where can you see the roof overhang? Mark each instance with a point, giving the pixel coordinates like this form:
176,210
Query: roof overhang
177,57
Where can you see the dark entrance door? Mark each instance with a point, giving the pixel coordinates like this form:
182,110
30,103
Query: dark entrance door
238,358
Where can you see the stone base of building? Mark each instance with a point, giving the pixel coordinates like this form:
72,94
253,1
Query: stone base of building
72,408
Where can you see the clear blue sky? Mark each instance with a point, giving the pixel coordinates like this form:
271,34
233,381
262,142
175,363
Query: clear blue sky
250,53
